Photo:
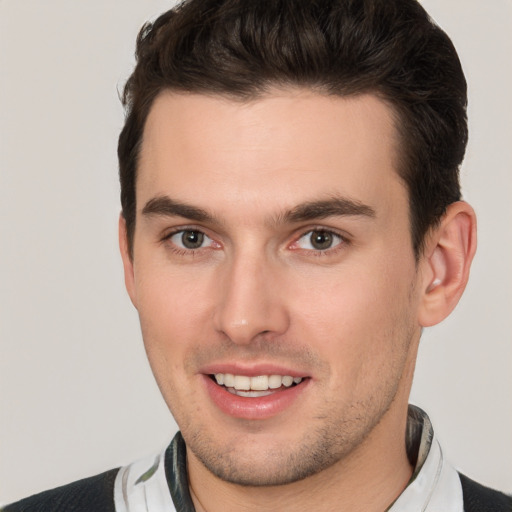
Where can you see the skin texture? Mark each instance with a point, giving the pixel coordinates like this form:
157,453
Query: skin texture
258,294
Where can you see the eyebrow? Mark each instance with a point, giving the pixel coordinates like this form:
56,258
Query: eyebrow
332,207
167,207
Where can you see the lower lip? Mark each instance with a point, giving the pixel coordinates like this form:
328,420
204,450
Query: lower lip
255,408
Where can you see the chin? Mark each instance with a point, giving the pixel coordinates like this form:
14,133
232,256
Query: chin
252,461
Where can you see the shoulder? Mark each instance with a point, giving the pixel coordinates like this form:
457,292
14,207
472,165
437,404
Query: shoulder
478,498
94,493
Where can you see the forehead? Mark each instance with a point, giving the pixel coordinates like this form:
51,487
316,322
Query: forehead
276,148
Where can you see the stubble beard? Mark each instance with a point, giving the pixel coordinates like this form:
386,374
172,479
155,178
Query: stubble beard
344,428
315,452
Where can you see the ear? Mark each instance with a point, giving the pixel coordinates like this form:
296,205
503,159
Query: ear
124,247
446,263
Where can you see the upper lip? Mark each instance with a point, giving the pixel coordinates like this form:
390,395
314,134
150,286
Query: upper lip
251,370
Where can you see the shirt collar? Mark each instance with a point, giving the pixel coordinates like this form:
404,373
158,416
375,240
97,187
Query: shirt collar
434,485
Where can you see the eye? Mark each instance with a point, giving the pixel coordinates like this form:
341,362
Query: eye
190,239
318,240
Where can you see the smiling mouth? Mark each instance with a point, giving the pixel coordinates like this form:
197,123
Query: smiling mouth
255,387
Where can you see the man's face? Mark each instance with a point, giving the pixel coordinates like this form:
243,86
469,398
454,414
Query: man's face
272,244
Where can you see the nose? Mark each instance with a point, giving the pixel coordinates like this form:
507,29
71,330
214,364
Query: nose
251,300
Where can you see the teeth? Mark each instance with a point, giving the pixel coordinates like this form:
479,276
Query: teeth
287,381
229,380
259,383
244,383
249,394
275,381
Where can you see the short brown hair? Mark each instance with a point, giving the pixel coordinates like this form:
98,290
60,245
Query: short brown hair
242,48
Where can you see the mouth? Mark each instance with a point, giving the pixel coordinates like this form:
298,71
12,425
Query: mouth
255,397
255,387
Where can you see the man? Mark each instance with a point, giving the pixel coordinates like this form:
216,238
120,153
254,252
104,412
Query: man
291,221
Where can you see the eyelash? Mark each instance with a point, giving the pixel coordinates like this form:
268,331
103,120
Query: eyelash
344,241
182,251
331,251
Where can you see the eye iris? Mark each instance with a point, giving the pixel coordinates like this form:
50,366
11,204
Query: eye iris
192,239
321,239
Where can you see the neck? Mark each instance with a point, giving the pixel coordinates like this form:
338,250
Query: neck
368,479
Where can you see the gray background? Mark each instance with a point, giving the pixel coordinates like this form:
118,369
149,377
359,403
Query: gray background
76,393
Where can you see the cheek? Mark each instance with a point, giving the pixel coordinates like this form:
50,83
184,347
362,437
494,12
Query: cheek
349,300
169,298
172,323
173,312
359,317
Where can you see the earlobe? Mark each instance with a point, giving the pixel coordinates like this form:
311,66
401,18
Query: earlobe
447,261
124,247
